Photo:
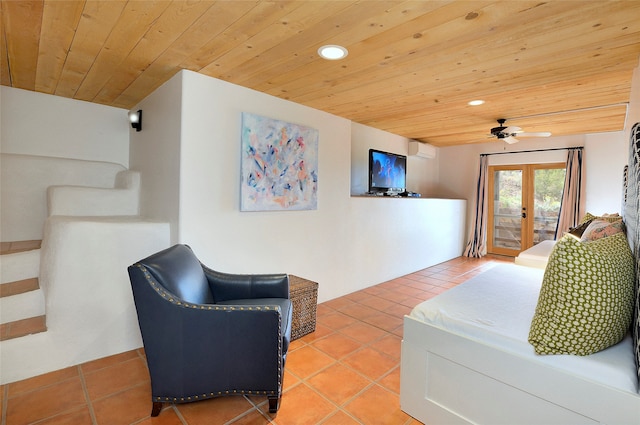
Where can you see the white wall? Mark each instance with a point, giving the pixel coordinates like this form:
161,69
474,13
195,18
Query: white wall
155,153
422,174
40,124
605,155
346,244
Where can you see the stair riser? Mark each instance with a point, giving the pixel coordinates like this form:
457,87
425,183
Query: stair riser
19,266
22,306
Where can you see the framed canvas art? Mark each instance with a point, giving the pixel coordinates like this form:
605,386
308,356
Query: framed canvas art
279,165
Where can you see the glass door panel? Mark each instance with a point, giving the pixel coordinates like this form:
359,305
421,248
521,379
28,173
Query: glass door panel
548,184
507,211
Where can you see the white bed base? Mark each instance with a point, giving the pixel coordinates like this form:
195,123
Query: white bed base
447,378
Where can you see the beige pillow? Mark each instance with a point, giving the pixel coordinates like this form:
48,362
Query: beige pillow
601,228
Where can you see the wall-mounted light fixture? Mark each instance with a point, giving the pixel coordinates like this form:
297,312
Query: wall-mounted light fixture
136,119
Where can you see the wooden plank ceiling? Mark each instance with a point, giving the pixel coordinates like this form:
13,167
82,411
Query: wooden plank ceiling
559,66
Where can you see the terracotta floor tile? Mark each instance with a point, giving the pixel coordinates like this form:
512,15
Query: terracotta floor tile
358,311
168,416
323,308
399,310
307,361
43,380
398,331
395,297
363,332
391,381
370,362
119,377
320,332
358,296
411,291
383,321
390,345
378,406
298,343
46,402
124,407
79,416
289,380
341,418
215,411
377,303
336,320
302,406
338,303
338,383
389,285
252,418
412,302
94,365
337,345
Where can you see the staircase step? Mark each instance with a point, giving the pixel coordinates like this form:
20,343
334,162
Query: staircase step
19,246
19,287
23,327
18,266
22,306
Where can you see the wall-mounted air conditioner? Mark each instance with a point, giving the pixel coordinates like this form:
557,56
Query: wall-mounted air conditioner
423,150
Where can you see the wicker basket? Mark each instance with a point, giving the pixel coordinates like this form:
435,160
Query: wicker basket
304,297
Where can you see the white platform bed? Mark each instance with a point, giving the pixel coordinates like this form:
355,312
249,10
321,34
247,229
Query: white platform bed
466,360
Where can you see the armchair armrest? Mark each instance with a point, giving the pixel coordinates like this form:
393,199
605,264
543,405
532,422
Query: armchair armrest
228,286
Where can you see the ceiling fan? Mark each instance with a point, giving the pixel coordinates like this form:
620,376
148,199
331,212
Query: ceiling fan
508,133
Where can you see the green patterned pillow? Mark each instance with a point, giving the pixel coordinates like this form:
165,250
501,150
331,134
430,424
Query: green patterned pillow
586,300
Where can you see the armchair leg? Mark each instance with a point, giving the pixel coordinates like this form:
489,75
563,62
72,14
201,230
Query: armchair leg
155,410
274,404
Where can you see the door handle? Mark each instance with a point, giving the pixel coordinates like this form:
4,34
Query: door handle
524,215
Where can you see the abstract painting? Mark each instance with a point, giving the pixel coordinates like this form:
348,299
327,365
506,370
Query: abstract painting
279,165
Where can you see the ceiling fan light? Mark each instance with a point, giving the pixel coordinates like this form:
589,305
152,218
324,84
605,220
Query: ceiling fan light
332,52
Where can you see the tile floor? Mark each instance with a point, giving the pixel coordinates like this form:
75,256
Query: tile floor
346,372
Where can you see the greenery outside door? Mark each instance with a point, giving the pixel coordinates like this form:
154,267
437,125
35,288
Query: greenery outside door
524,202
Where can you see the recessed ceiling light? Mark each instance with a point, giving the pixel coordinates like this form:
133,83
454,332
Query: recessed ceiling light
475,102
332,52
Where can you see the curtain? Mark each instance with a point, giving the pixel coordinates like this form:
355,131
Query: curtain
477,245
571,194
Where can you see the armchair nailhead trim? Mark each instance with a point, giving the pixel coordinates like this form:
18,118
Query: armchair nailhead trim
188,399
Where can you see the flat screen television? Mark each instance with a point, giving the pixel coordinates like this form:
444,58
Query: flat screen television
387,172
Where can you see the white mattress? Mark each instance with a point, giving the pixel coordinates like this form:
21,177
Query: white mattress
496,307
537,255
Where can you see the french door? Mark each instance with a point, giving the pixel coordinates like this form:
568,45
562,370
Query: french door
524,203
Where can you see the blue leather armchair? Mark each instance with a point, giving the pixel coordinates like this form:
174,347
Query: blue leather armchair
208,334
